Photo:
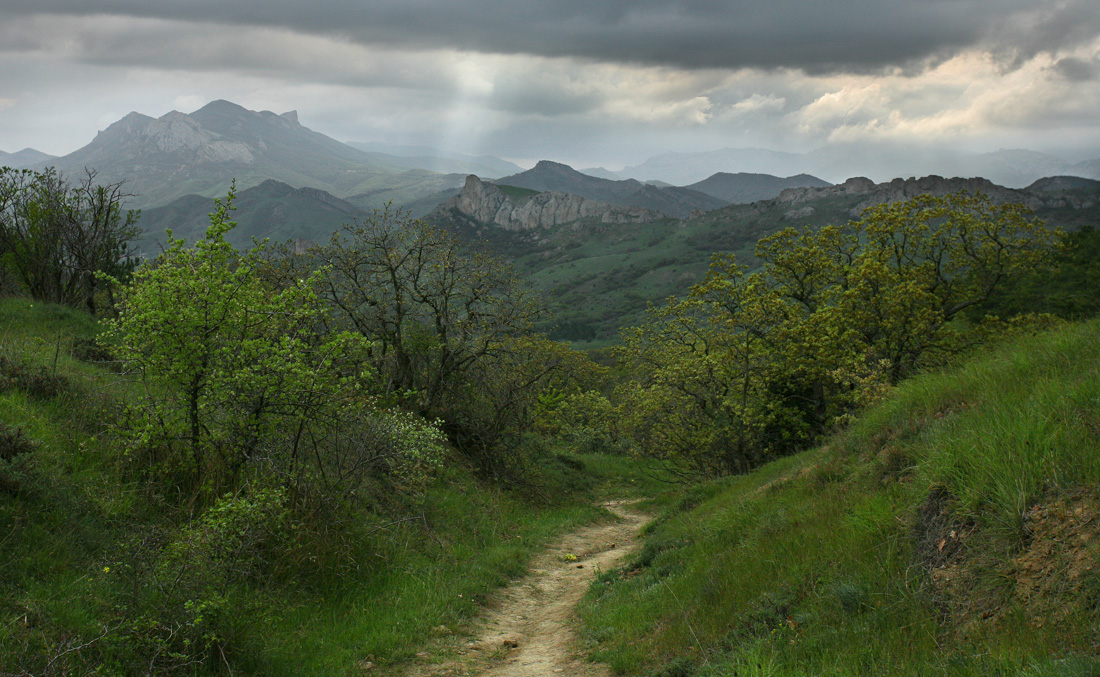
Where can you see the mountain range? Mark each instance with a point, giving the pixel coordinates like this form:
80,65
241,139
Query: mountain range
881,162
272,210
162,159
744,187
600,245
556,177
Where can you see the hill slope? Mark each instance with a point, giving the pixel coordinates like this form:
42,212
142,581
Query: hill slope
601,276
952,530
270,210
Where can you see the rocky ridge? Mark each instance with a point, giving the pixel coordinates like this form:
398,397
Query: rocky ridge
1034,197
547,176
487,203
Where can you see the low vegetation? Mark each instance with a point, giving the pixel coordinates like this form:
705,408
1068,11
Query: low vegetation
276,463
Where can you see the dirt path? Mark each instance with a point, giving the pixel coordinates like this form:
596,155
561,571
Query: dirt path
529,632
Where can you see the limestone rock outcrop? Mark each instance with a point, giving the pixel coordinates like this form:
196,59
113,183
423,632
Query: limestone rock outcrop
487,203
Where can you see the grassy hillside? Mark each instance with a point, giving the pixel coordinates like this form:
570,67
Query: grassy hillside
83,542
952,530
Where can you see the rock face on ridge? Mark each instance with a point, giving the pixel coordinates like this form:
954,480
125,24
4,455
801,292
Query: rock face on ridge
904,189
487,203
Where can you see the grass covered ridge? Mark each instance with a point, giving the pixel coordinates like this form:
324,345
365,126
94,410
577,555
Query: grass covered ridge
953,529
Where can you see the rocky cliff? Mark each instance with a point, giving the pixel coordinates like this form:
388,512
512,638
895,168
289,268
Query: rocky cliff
486,203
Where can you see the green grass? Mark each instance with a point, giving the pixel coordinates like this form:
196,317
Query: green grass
432,571
944,533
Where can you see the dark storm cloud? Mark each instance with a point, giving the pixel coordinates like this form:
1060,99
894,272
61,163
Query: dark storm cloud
1077,70
816,36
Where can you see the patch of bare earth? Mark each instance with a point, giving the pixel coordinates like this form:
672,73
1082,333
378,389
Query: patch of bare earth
1055,574
530,629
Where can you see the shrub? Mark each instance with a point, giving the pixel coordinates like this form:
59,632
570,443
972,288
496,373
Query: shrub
37,382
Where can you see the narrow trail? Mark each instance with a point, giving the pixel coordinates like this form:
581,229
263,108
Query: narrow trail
530,631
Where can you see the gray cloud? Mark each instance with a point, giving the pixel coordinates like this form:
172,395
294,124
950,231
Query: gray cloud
818,37
608,82
1077,70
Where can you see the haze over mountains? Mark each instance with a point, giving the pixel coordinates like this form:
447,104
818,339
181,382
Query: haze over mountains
28,157
162,159
444,162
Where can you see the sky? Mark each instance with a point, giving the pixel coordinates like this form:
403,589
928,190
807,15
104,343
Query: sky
586,82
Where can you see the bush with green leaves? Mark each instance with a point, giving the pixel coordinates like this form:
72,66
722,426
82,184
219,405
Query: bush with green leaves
238,376
62,241
190,587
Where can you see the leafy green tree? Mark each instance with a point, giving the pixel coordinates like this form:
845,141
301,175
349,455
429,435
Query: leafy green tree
1068,286
235,371
449,327
60,238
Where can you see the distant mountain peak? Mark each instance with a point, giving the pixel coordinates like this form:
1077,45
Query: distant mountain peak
291,115
551,166
131,117
554,176
222,106
28,157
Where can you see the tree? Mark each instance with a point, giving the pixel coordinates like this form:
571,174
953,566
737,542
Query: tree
927,260
443,320
751,366
59,238
241,375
